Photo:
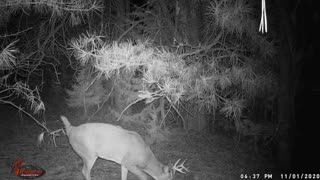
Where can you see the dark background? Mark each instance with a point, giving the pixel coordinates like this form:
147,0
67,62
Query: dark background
307,146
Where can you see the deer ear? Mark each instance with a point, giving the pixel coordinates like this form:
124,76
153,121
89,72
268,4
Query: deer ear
165,169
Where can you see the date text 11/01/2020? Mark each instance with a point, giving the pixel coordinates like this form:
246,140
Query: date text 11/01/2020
282,176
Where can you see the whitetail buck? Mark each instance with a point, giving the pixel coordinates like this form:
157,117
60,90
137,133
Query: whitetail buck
127,148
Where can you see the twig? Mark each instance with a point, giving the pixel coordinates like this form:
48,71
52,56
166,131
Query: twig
162,122
205,48
105,100
17,33
21,109
177,111
129,29
129,106
54,134
184,108
56,5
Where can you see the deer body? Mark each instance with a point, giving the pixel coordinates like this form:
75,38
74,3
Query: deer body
127,148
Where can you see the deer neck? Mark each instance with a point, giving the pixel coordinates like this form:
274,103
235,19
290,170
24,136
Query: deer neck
154,167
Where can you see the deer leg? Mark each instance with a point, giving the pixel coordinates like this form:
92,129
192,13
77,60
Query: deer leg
124,173
138,172
87,166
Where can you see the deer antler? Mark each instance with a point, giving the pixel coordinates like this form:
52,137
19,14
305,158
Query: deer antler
180,168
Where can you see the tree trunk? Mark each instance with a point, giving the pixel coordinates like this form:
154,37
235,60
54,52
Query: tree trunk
285,111
289,72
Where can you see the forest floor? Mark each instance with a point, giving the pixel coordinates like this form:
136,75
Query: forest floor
215,156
